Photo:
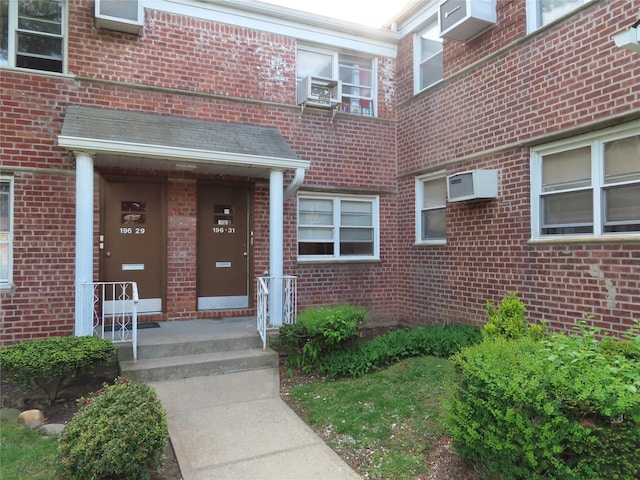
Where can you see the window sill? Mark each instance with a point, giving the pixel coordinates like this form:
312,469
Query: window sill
7,287
325,261
430,243
41,73
581,239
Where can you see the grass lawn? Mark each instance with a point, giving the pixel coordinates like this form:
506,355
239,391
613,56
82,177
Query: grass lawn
383,423
24,453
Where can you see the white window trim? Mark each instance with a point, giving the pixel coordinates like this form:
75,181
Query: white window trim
596,141
6,285
11,46
373,199
417,54
418,204
335,75
535,23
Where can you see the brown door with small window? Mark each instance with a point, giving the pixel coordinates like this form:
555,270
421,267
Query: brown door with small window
132,238
223,247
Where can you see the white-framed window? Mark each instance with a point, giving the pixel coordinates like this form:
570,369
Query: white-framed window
338,227
32,34
427,57
356,72
543,12
6,231
431,208
588,186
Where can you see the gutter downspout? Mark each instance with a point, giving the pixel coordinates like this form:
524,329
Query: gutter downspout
295,184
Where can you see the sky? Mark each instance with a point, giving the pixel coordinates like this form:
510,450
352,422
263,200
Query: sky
373,13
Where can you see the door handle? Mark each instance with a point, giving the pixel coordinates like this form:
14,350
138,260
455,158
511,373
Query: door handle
246,254
108,254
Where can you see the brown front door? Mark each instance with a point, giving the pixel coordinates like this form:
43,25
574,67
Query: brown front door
132,239
223,247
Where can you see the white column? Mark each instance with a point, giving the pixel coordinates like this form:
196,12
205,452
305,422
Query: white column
276,244
84,243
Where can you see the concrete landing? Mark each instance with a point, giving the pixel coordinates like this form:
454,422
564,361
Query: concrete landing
235,426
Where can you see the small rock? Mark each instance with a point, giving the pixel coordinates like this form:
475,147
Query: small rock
31,418
9,415
52,429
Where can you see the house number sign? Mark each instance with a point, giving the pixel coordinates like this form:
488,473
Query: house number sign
223,230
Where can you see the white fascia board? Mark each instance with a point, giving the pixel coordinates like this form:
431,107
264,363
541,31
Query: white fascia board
419,19
288,22
93,145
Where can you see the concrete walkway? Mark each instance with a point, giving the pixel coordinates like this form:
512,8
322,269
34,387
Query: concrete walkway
235,426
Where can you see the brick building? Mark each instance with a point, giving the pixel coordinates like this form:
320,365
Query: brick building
193,146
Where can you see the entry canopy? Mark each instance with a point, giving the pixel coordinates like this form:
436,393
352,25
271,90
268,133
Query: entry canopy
150,141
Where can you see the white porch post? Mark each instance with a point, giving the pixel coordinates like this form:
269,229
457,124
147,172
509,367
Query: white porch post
84,243
276,244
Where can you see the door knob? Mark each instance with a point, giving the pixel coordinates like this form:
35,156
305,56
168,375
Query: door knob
108,254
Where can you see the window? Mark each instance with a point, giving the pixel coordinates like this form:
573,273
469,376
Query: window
31,34
331,228
543,12
588,186
5,231
428,57
431,203
356,73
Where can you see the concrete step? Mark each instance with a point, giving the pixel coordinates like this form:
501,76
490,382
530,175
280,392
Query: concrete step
168,347
201,364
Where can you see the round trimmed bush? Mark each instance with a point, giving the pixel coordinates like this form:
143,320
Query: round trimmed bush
119,432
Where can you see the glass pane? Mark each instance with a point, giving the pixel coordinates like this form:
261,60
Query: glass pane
434,224
315,249
4,207
622,204
315,234
4,33
568,208
356,91
314,63
565,170
354,75
40,16
622,160
356,214
39,45
4,262
356,234
434,193
315,212
552,9
430,43
348,248
431,71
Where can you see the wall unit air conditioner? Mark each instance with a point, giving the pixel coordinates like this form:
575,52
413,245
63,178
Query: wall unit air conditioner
463,20
319,92
120,15
474,185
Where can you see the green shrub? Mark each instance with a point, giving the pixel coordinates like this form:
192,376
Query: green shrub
382,351
119,432
49,364
559,408
320,330
509,319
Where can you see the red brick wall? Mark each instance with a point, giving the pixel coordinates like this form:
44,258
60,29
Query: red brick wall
564,80
197,69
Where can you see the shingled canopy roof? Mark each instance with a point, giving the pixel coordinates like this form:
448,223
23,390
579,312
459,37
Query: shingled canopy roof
127,139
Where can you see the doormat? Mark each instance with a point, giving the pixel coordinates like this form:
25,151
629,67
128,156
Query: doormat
141,326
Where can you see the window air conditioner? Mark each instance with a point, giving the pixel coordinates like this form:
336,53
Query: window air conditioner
120,15
463,20
319,92
474,185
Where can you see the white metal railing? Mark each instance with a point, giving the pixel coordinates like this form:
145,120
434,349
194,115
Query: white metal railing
276,294
114,311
